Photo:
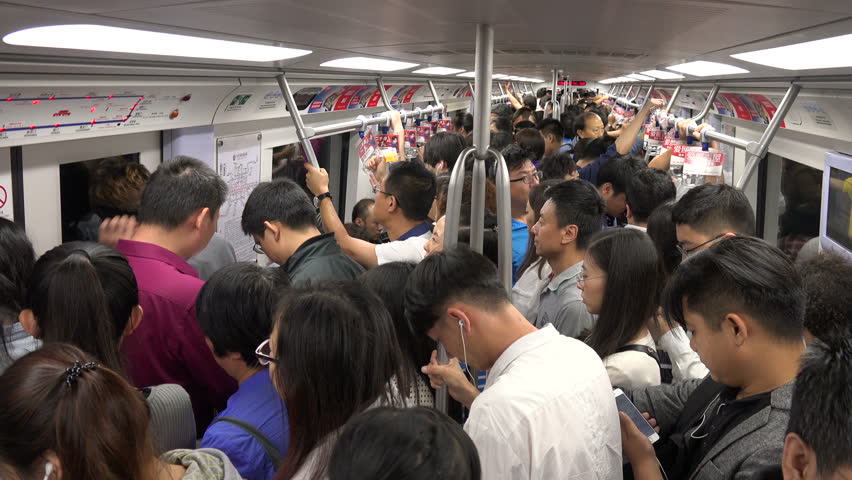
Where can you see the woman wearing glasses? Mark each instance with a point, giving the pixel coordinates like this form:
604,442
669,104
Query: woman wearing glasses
620,282
332,354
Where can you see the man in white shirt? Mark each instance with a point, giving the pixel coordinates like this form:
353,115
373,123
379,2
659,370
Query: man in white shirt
646,190
547,411
403,198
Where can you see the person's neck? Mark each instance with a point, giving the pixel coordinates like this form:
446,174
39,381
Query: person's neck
245,373
512,327
161,470
635,223
519,213
297,238
779,365
585,162
399,226
172,240
570,256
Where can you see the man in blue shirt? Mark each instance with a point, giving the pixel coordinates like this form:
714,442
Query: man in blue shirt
523,176
235,309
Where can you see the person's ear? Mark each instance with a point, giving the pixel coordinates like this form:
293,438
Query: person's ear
274,230
460,318
393,205
736,327
357,221
54,471
28,321
135,320
798,458
606,190
569,234
441,166
629,212
200,217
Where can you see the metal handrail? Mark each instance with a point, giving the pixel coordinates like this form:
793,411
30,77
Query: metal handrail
307,148
711,97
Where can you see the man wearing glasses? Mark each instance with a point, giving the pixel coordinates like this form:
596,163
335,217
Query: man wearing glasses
709,213
523,176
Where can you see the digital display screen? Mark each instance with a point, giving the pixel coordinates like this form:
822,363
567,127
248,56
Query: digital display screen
839,220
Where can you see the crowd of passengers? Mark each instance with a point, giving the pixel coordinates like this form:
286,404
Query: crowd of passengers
152,354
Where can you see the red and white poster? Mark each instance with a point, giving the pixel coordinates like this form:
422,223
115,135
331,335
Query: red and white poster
740,108
766,108
376,98
699,162
423,134
345,98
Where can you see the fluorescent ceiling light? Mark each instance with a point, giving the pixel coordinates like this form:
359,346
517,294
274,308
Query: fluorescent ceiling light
662,75
365,63
438,71
706,69
125,40
636,76
498,76
826,53
467,74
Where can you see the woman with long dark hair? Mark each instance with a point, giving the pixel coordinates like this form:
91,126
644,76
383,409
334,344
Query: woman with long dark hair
16,265
620,284
333,354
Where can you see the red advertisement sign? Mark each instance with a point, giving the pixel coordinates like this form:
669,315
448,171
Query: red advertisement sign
703,163
768,108
656,135
423,134
408,96
376,98
740,108
411,138
346,97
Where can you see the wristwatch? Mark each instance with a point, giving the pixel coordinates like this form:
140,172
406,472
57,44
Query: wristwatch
318,199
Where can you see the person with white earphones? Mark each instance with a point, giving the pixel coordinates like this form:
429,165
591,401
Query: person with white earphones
536,418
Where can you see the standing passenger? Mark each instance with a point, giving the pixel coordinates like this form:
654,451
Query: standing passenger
547,411
646,190
16,264
362,215
523,176
177,216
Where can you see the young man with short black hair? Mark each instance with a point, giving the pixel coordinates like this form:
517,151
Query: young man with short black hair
540,384
280,218
646,190
744,304
523,177
828,282
442,151
613,178
177,217
552,132
710,212
569,218
235,310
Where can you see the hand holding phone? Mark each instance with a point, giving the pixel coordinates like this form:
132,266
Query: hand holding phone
625,406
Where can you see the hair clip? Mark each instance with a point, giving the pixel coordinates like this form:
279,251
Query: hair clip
73,372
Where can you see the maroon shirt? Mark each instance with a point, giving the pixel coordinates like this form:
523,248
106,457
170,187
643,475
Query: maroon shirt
168,346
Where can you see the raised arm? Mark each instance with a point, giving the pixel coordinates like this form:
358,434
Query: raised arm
516,104
630,131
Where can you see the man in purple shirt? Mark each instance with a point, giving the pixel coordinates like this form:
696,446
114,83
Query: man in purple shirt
177,217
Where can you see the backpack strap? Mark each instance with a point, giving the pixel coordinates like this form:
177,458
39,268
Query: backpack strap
271,450
641,348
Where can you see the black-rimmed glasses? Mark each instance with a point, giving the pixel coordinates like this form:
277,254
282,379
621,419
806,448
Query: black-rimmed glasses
686,252
528,179
264,353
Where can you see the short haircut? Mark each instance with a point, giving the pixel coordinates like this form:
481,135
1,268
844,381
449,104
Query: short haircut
455,274
822,395
739,275
500,140
410,443
582,119
502,110
551,126
413,185
557,166
236,306
827,279
362,208
523,113
715,208
280,200
516,156
662,231
619,171
503,124
443,146
464,120
590,148
530,101
531,140
648,189
179,188
117,186
578,202
523,124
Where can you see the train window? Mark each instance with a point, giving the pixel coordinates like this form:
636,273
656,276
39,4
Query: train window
799,208
288,161
80,219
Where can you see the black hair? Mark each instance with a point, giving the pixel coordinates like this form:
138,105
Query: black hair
556,167
531,140
541,92
827,279
338,355
523,125
822,395
502,110
357,231
739,275
516,156
463,120
177,189
577,202
503,124
117,185
648,189
454,274
629,259
17,258
83,293
385,281
489,234
529,101
582,119
537,199
551,126
235,308
662,231
589,148
523,113
500,140
404,444
618,172
362,208
280,200
414,187
715,208
443,146
601,113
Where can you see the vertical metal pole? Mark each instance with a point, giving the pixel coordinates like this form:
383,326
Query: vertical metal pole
754,158
553,100
436,99
385,100
484,65
710,97
307,148
673,99
504,222
648,95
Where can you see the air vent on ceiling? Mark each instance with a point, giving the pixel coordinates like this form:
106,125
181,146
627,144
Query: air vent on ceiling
521,51
432,53
606,53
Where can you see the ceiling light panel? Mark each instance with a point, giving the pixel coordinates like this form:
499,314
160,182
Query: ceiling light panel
636,76
663,75
702,68
438,71
365,63
826,53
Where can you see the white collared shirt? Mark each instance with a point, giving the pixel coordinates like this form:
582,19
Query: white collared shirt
636,227
547,412
686,364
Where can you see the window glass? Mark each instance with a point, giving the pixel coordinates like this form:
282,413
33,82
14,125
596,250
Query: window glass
799,208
